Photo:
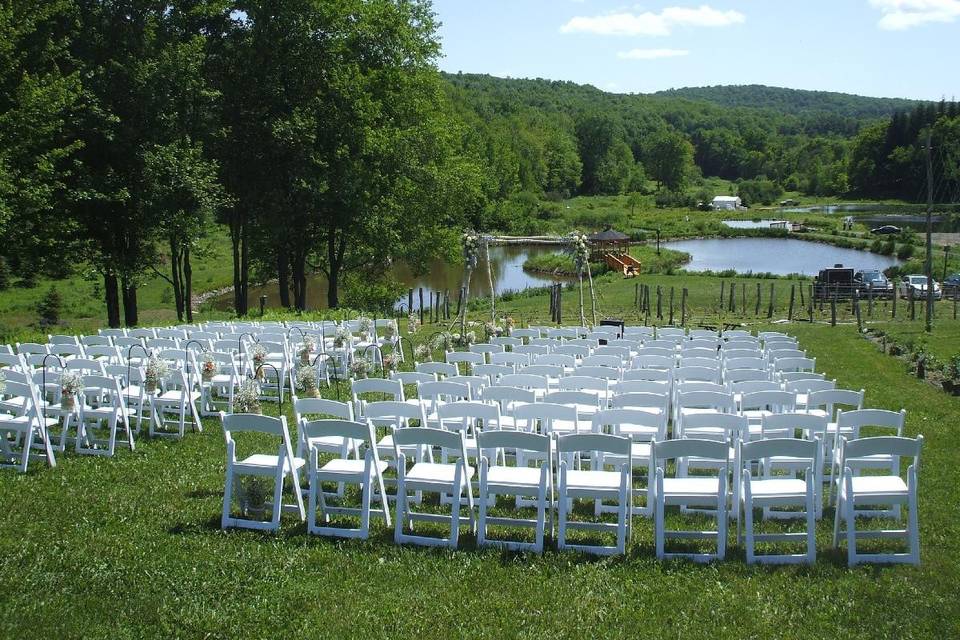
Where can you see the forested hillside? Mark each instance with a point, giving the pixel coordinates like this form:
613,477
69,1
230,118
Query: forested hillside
794,101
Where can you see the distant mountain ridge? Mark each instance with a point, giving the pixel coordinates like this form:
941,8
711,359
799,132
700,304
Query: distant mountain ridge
793,101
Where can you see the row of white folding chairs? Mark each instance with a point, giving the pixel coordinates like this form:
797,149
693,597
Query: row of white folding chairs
573,476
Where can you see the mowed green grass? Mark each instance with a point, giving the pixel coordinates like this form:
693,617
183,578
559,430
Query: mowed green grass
130,547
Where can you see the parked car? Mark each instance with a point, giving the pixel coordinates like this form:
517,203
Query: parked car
919,286
886,229
952,284
873,280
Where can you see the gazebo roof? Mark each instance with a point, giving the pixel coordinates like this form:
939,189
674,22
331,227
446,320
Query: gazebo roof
608,235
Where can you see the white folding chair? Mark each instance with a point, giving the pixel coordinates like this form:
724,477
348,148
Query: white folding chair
425,476
768,491
875,490
497,478
366,472
102,402
23,429
277,465
700,491
594,483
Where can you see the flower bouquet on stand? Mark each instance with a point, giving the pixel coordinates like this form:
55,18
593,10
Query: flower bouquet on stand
307,380
71,384
247,399
208,367
155,372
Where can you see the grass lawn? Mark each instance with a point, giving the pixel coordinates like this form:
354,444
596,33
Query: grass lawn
130,547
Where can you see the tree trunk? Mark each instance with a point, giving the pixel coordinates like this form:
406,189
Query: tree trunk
283,277
129,303
112,295
335,251
243,305
300,281
175,277
188,280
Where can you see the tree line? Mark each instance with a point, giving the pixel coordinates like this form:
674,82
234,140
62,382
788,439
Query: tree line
320,137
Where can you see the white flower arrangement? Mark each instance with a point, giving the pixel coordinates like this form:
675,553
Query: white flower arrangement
307,380
422,353
71,383
342,337
3,382
391,362
360,368
471,248
443,341
413,323
156,370
259,354
390,330
307,347
509,323
491,330
247,399
208,366
364,325
580,251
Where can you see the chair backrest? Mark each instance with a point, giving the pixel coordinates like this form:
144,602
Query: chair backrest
545,370
506,397
658,348
62,339
594,442
714,426
492,372
525,381
795,364
162,343
466,357
806,385
620,419
357,431
706,363
605,373
609,361
745,363
699,349
575,350
701,334
304,407
475,382
32,348
671,332
623,352
649,375
584,383
661,387
533,349
831,400
775,401
701,374
883,445
435,393
252,423
422,436
573,398
438,368
877,421
638,332
663,362
412,377
787,425
514,358
556,360
525,333
658,401
376,385
796,450
514,440
688,448
108,353
400,413
750,386
716,400
465,415
85,366
739,376
526,416
486,347
506,341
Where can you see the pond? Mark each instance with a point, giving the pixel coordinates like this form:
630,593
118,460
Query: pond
780,256
508,275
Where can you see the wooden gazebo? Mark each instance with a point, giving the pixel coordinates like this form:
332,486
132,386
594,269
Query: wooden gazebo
613,248
608,241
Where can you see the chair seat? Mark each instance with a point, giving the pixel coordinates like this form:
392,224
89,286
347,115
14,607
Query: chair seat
435,472
177,396
691,486
593,480
778,487
345,466
513,476
865,486
260,462
327,443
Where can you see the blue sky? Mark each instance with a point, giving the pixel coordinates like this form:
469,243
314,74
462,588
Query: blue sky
894,48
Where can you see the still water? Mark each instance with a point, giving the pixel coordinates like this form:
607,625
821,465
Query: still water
781,256
505,260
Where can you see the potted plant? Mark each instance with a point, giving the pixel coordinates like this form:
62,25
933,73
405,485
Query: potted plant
208,367
252,496
306,349
307,381
413,324
247,399
71,383
156,371
423,353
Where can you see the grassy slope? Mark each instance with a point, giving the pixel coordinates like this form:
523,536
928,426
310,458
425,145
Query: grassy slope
131,547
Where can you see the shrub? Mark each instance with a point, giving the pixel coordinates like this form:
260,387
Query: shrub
4,274
905,252
49,308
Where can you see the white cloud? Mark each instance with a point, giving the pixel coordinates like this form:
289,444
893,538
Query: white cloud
651,54
649,23
897,15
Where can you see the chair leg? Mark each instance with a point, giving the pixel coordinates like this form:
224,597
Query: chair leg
401,509
913,517
850,512
811,523
722,519
365,504
227,499
482,494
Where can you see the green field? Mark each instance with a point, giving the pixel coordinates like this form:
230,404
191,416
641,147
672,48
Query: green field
130,547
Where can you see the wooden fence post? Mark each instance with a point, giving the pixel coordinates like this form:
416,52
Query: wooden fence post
659,304
833,310
893,307
770,305
792,294
683,308
410,302
756,310
810,305
743,299
671,306
913,306
636,294
722,285
421,306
